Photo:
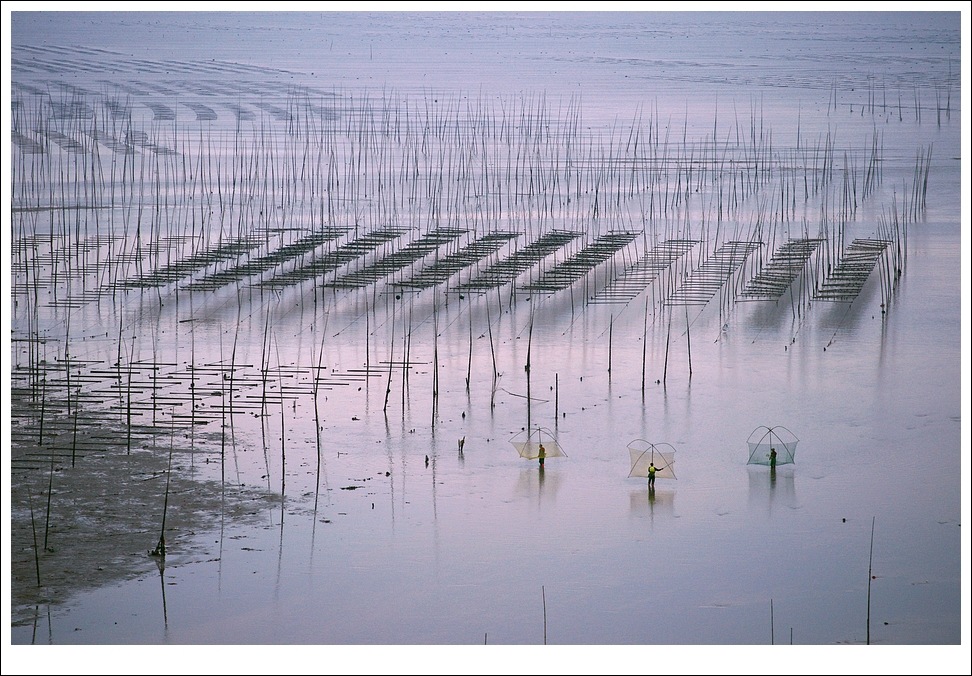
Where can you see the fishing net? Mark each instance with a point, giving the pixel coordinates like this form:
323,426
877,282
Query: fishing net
528,445
644,453
764,440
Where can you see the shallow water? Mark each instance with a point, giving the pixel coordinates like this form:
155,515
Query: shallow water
384,533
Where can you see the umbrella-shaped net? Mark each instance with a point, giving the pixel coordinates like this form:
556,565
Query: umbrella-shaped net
764,440
528,445
644,453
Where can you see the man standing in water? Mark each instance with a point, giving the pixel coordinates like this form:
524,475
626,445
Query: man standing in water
542,454
772,458
651,474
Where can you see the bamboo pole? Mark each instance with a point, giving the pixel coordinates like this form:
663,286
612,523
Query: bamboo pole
870,577
160,546
543,594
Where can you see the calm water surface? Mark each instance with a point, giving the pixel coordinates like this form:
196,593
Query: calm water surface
382,532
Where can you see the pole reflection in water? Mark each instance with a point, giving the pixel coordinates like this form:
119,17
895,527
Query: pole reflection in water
160,562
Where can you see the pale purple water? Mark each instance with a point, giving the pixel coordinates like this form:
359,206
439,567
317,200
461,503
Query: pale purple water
482,547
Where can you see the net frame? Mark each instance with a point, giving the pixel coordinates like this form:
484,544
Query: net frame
528,444
643,453
764,439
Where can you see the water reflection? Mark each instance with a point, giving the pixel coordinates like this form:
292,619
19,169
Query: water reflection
160,562
649,501
538,483
772,486
778,359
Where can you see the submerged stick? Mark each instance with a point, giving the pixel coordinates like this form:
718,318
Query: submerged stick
688,340
610,343
492,350
160,547
435,366
668,341
33,528
74,434
772,629
644,349
543,595
391,359
870,559
469,366
50,490
529,346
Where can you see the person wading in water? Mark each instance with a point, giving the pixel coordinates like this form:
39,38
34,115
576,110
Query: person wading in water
651,474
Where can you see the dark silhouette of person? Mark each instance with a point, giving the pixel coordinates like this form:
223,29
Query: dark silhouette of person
651,474
773,458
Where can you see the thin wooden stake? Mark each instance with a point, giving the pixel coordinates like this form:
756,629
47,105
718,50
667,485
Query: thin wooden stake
50,491
610,343
543,594
869,578
772,628
469,367
33,528
160,547
688,340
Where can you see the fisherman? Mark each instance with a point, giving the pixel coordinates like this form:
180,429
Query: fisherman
651,474
773,458
542,454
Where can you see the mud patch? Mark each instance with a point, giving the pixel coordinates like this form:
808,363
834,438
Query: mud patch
79,524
